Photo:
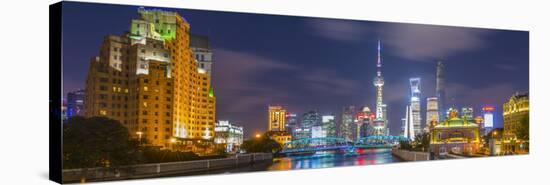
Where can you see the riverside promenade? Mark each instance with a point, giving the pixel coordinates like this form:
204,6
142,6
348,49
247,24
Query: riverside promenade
163,169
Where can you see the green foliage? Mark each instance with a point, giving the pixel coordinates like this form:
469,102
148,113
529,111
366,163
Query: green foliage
263,144
155,155
421,143
95,142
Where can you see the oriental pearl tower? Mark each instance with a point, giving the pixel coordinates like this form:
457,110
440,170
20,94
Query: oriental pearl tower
380,123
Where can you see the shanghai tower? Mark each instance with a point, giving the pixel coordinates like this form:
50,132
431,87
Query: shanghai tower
440,91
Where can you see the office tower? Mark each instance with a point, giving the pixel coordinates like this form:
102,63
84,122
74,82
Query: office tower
432,113
408,129
75,103
291,122
415,95
468,113
277,118
488,118
149,80
329,125
440,91
347,124
379,124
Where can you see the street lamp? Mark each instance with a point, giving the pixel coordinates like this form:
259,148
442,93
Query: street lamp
139,133
258,135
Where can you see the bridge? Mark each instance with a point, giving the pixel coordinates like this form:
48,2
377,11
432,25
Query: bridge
313,145
308,146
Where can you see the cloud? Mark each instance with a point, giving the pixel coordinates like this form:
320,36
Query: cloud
338,30
425,43
507,67
237,76
494,95
329,83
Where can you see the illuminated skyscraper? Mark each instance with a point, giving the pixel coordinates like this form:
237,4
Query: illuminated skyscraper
277,118
440,91
468,113
149,80
380,123
415,118
431,111
329,126
408,130
488,118
346,126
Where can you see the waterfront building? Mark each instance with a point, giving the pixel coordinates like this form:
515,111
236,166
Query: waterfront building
149,80
380,123
280,137
277,118
228,136
454,135
347,123
440,91
75,103
516,124
432,111
415,95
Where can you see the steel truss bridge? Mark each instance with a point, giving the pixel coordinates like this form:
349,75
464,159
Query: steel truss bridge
313,145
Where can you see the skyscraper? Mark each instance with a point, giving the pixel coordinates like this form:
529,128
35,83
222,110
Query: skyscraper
415,95
488,118
149,80
346,126
379,124
75,103
310,119
468,113
431,111
277,118
329,125
291,122
440,91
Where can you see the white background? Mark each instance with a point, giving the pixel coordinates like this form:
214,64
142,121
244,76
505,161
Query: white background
24,90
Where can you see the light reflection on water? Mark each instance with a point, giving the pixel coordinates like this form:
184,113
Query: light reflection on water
361,157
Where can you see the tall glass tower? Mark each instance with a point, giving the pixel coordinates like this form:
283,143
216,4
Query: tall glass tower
416,118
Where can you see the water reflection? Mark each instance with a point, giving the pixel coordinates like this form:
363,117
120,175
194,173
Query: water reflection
360,157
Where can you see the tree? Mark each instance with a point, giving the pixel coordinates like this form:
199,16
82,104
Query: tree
422,141
96,142
262,144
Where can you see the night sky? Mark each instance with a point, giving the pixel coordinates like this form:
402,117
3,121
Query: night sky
307,64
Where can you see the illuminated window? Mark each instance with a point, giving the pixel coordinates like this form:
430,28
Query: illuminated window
145,88
103,112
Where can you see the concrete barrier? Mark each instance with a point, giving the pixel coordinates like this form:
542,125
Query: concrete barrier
163,169
411,155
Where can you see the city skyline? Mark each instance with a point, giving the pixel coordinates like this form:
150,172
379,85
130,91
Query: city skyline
334,57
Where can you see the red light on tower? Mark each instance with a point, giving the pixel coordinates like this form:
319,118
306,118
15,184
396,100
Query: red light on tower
488,108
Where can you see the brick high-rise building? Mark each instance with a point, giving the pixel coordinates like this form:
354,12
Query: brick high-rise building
150,81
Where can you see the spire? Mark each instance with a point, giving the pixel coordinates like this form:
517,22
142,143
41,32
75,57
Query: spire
379,63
